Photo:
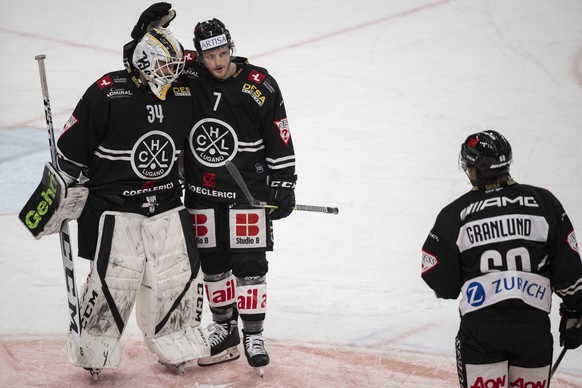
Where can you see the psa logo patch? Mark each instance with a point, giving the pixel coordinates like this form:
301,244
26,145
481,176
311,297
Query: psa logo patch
284,130
69,124
571,239
152,156
428,262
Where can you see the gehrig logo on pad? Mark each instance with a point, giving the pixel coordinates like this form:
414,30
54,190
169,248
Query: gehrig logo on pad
153,155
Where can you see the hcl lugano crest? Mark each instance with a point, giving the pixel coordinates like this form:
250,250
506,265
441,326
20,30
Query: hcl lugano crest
153,155
213,142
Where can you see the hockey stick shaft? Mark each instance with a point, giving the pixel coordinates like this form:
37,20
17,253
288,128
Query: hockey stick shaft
64,235
256,203
562,354
555,366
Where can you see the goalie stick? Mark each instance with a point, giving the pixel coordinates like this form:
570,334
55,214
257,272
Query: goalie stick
64,235
256,203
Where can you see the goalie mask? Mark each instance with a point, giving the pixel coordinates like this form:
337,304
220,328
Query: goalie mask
159,57
211,34
489,152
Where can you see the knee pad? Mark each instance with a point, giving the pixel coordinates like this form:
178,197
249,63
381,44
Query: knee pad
249,264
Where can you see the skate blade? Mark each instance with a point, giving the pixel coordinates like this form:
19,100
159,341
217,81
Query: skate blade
94,374
227,355
176,368
260,370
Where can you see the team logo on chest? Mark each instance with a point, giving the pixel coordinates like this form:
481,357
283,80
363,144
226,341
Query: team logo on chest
213,142
152,156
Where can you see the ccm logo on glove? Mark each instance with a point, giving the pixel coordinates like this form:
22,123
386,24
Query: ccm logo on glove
283,185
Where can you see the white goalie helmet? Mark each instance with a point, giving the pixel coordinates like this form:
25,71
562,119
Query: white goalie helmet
159,57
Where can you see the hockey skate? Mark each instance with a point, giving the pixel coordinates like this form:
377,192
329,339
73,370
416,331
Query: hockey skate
94,373
176,368
255,351
223,339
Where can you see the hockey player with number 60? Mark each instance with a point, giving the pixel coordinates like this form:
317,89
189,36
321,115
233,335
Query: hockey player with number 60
121,144
504,247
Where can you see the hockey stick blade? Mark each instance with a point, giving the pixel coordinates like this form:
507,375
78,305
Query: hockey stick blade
256,203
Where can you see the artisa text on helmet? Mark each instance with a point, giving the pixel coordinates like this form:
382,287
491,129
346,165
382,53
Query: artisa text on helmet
213,42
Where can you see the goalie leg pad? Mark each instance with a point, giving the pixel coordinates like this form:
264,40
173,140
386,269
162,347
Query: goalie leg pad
169,304
52,203
109,295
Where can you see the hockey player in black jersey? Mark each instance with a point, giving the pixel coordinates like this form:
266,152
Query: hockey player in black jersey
504,247
239,117
122,142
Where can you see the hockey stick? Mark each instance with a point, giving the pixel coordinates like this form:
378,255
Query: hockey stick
557,362
562,354
256,203
64,235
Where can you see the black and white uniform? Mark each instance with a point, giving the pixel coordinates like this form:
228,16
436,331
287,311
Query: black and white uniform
241,119
124,142
504,250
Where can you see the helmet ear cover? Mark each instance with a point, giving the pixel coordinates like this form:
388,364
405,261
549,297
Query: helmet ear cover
159,58
489,152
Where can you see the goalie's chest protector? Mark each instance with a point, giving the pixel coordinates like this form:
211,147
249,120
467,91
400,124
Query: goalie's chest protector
128,139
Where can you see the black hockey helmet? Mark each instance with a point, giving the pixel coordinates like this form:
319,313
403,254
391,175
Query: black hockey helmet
211,34
488,151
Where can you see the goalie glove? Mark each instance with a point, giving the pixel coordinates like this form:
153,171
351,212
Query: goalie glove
570,327
52,203
282,195
156,15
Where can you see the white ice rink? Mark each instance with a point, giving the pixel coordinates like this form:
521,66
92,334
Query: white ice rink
380,94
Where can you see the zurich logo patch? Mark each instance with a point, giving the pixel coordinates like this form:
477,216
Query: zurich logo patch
476,294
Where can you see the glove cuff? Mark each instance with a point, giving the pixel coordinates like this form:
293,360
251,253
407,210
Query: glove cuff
283,182
569,312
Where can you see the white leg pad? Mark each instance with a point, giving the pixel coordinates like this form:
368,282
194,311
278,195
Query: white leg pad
109,295
98,352
169,303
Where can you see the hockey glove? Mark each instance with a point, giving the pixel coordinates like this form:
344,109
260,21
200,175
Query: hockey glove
159,14
282,194
52,203
570,327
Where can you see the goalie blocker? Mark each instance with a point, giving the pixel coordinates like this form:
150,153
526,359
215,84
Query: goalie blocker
52,203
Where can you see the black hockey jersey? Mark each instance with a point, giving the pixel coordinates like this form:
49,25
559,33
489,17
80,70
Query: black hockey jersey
241,119
508,245
126,140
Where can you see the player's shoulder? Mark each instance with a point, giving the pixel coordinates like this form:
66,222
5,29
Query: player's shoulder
113,85
255,77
